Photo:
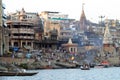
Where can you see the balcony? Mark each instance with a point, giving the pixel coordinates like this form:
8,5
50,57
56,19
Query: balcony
26,23
23,24
28,31
21,37
25,31
26,37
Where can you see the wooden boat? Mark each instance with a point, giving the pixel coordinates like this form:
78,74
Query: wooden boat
103,64
85,67
3,73
99,66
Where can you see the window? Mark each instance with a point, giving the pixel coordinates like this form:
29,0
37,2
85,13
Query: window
15,43
23,44
71,49
29,43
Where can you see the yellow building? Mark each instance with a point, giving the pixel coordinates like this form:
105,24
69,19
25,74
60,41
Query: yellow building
52,21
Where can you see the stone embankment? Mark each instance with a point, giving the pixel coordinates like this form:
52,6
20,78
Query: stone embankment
33,64
16,60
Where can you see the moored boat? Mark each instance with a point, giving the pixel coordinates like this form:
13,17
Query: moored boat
99,66
103,64
5,73
85,67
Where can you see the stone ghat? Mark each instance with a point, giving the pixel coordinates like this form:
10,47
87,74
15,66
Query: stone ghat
32,64
16,60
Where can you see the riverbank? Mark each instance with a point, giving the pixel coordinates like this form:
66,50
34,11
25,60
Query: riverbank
56,60
33,64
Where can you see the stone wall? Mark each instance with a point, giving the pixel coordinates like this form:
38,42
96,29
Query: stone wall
16,60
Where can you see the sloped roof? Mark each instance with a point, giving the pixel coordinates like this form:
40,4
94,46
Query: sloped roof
70,43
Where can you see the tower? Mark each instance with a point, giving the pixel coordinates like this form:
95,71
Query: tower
107,39
108,48
83,21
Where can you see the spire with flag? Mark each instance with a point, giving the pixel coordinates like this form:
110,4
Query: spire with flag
83,21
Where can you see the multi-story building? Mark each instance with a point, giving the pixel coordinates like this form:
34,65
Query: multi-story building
21,30
52,26
26,28
3,33
52,21
59,22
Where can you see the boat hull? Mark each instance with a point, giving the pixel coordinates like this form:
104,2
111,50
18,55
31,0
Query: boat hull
85,67
17,74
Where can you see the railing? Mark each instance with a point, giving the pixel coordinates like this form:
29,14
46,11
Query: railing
22,37
30,31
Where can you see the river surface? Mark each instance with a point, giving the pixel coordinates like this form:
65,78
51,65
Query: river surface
72,74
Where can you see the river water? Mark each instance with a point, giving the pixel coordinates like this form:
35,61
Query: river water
72,74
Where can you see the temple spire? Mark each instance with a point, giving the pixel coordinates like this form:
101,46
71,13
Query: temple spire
70,41
107,39
83,13
83,6
83,21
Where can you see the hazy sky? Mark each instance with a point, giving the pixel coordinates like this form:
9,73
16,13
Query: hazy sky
93,8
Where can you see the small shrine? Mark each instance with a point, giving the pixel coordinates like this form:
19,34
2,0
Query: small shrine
70,47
